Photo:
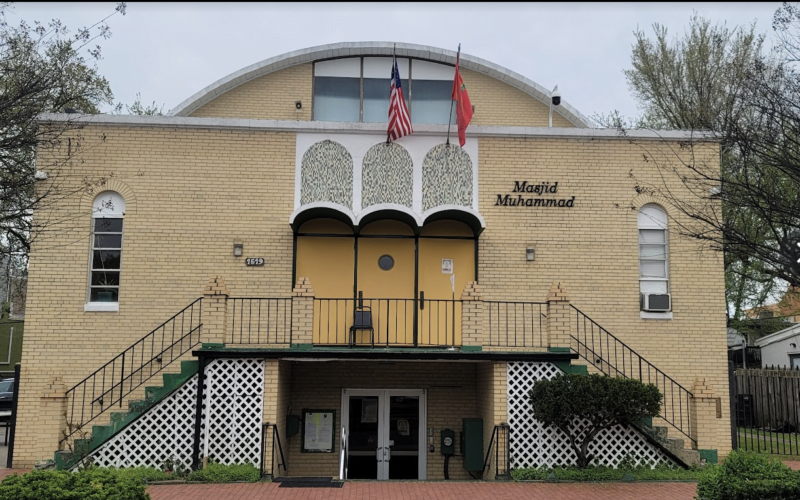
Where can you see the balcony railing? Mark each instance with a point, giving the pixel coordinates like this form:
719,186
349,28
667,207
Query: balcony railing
259,320
516,324
387,322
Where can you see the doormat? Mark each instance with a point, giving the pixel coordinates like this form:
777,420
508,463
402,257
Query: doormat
307,482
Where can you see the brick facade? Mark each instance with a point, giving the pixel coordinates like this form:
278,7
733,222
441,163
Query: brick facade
193,190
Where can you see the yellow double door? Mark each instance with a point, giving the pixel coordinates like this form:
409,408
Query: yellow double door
383,278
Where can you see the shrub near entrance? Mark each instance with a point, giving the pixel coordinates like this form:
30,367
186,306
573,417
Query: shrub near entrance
90,484
600,401
749,476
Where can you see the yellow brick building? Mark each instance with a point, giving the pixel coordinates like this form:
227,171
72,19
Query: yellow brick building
321,302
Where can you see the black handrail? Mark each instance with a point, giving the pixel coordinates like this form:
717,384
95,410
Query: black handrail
260,320
613,357
499,431
109,384
276,438
516,324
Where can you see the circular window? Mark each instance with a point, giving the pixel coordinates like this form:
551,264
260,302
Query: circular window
385,262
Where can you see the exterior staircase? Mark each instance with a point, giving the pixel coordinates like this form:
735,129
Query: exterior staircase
83,446
659,436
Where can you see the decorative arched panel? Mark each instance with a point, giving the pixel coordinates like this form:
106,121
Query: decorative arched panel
387,176
327,174
446,177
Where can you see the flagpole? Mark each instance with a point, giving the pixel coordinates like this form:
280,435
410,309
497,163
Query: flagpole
394,58
449,121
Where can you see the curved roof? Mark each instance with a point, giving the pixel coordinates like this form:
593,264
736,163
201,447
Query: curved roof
355,49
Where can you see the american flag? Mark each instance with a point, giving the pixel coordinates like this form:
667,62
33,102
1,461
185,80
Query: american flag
399,121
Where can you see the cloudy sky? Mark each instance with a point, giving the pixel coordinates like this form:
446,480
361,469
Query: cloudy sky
170,51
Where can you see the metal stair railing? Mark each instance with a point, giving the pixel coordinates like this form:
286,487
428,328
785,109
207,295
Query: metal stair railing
614,358
501,435
109,384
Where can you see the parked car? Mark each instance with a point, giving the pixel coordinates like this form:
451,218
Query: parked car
6,394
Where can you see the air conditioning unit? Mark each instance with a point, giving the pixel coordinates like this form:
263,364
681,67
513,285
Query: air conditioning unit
656,302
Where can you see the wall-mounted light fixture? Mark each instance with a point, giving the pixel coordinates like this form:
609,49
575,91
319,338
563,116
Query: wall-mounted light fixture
530,254
298,105
238,249
793,345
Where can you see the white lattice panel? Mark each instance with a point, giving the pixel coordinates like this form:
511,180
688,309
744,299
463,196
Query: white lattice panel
233,405
533,445
164,431
233,411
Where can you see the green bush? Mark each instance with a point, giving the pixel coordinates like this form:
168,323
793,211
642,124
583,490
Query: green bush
603,473
601,401
90,484
218,473
144,474
749,476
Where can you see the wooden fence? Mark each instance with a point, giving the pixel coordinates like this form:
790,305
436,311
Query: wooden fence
768,399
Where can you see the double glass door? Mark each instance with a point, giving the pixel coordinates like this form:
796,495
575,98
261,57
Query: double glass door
385,432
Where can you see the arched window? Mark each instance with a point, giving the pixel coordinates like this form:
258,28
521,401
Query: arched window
653,253
105,263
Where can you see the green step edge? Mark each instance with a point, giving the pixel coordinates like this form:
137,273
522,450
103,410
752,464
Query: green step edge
568,367
65,460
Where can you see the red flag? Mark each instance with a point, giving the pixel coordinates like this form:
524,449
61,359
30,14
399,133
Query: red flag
463,106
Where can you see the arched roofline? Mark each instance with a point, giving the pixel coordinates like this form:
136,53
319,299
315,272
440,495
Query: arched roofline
321,210
356,49
455,212
390,211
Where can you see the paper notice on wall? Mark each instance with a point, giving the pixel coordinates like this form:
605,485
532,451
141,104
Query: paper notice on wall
447,266
318,431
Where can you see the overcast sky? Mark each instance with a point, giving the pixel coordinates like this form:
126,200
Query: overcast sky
170,51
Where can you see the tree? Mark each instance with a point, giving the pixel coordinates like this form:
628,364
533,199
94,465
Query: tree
42,69
719,80
137,108
581,406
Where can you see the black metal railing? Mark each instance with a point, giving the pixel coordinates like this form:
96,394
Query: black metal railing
614,358
276,441
390,322
516,324
502,452
109,384
260,320
766,410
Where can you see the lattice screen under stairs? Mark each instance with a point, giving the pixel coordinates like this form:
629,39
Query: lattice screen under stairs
231,421
533,445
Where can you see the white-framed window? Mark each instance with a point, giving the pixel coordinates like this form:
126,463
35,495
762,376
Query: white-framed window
356,89
653,250
105,260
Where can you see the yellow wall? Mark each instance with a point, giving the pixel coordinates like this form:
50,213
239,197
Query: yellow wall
191,193
273,97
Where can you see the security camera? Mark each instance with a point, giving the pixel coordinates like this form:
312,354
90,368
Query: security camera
556,96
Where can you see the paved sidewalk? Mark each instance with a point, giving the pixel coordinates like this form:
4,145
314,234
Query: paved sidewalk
430,490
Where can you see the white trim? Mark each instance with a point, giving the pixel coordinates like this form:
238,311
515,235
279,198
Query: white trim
389,206
374,128
355,49
101,307
459,208
323,204
655,315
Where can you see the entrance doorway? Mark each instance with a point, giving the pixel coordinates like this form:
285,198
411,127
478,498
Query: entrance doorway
385,432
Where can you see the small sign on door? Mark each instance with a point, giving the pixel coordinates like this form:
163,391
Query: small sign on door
447,266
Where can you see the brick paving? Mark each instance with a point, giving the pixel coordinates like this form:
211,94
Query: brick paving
430,490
